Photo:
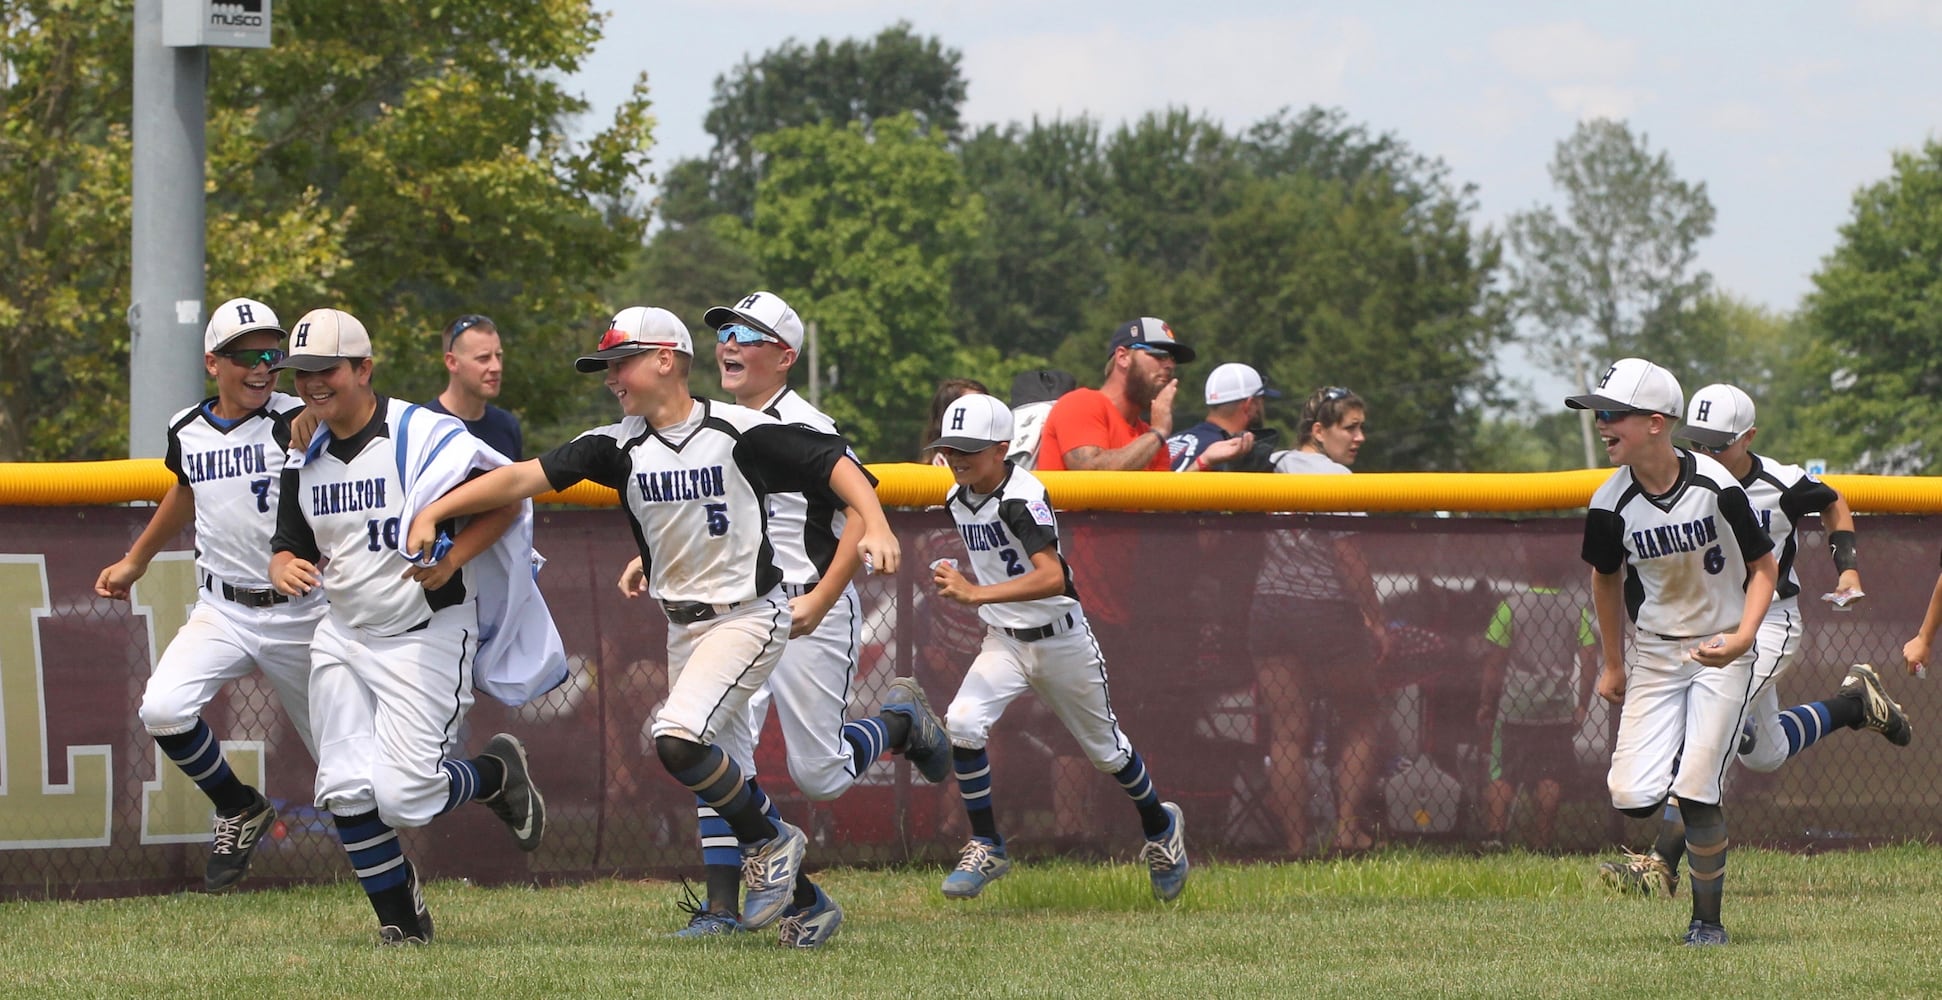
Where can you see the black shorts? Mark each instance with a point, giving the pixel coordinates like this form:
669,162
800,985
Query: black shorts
1526,754
1327,640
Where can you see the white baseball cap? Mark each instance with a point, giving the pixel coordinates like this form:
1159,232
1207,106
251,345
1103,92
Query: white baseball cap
323,337
765,311
1233,382
637,330
974,422
1634,384
1719,414
234,318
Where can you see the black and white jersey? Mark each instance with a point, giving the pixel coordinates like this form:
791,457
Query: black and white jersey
1684,552
697,493
235,472
341,510
802,530
1000,532
1782,495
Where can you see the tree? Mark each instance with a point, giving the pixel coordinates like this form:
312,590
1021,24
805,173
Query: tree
1613,275
1871,398
431,173
897,72
860,229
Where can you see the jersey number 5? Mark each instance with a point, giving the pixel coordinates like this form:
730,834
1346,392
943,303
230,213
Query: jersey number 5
717,518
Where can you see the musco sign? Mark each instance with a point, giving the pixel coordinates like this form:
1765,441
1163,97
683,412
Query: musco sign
233,24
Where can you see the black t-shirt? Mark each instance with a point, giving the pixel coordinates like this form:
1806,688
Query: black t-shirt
497,427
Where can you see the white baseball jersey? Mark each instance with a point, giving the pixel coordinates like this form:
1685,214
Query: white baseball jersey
1000,532
235,472
803,529
689,490
1781,496
1684,552
342,511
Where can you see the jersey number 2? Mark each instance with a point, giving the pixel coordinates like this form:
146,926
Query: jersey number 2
1012,566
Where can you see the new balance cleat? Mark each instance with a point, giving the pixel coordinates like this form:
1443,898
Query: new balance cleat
769,875
235,843
1166,858
1700,934
518,803
928,747
707,924
981,864
1879,712
811,926
1640,875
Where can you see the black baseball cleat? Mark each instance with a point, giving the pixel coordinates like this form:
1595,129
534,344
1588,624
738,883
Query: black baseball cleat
517,803
396,934
236,836
1878,711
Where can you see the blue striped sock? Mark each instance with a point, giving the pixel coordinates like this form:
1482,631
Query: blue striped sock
1805,725
718,843
376,856
760,799
464,778
1133,779
973,769
867,738
200,756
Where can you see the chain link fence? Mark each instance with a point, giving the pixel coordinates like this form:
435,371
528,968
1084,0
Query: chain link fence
1283,727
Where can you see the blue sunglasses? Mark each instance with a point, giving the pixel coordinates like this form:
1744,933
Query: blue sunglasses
747,336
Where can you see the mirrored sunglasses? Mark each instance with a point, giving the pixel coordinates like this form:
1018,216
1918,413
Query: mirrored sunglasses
1614,416
250,357
747,336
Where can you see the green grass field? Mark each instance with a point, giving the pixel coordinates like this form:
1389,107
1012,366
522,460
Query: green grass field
1398,924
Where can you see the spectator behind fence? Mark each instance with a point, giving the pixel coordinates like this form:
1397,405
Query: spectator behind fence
1536,692
1318,632
477,363
1033,394
1237,405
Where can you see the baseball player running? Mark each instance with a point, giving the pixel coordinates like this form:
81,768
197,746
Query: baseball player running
226,453
393,661
1720,423
695,479
757,342
1697,575
1036,637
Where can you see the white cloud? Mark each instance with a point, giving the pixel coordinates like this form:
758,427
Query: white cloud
1737,116
1927,12
1241,69
1563,51
1597,100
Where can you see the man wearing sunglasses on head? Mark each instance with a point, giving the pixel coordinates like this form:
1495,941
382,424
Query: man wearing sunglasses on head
757,340
1719,422
226,454
476,363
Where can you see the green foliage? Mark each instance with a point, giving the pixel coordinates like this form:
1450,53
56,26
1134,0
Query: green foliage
792,85
1873,401
1613,274
860,228
404,162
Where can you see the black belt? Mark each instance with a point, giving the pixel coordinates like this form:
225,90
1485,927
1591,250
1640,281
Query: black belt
249,597
1676,638
690,612
797,589
1041,632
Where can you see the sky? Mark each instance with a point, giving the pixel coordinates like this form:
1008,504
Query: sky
1782,109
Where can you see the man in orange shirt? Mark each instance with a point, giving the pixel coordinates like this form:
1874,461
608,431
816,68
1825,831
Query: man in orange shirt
1122,425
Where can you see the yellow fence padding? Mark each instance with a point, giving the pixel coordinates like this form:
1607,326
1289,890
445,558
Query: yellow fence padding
912,485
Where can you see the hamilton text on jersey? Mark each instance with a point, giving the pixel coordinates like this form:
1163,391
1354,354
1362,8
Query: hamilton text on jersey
337,498
224,463
1666,539
984,537
680,484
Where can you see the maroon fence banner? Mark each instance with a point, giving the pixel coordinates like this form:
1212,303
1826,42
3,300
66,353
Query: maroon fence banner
1284,726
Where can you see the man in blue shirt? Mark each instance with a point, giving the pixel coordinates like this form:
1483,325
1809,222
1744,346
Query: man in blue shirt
477,363
1236,405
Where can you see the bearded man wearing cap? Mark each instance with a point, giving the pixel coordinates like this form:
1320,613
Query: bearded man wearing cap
227,455
395,658
1676,549
695,478
1236,406
1719,422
